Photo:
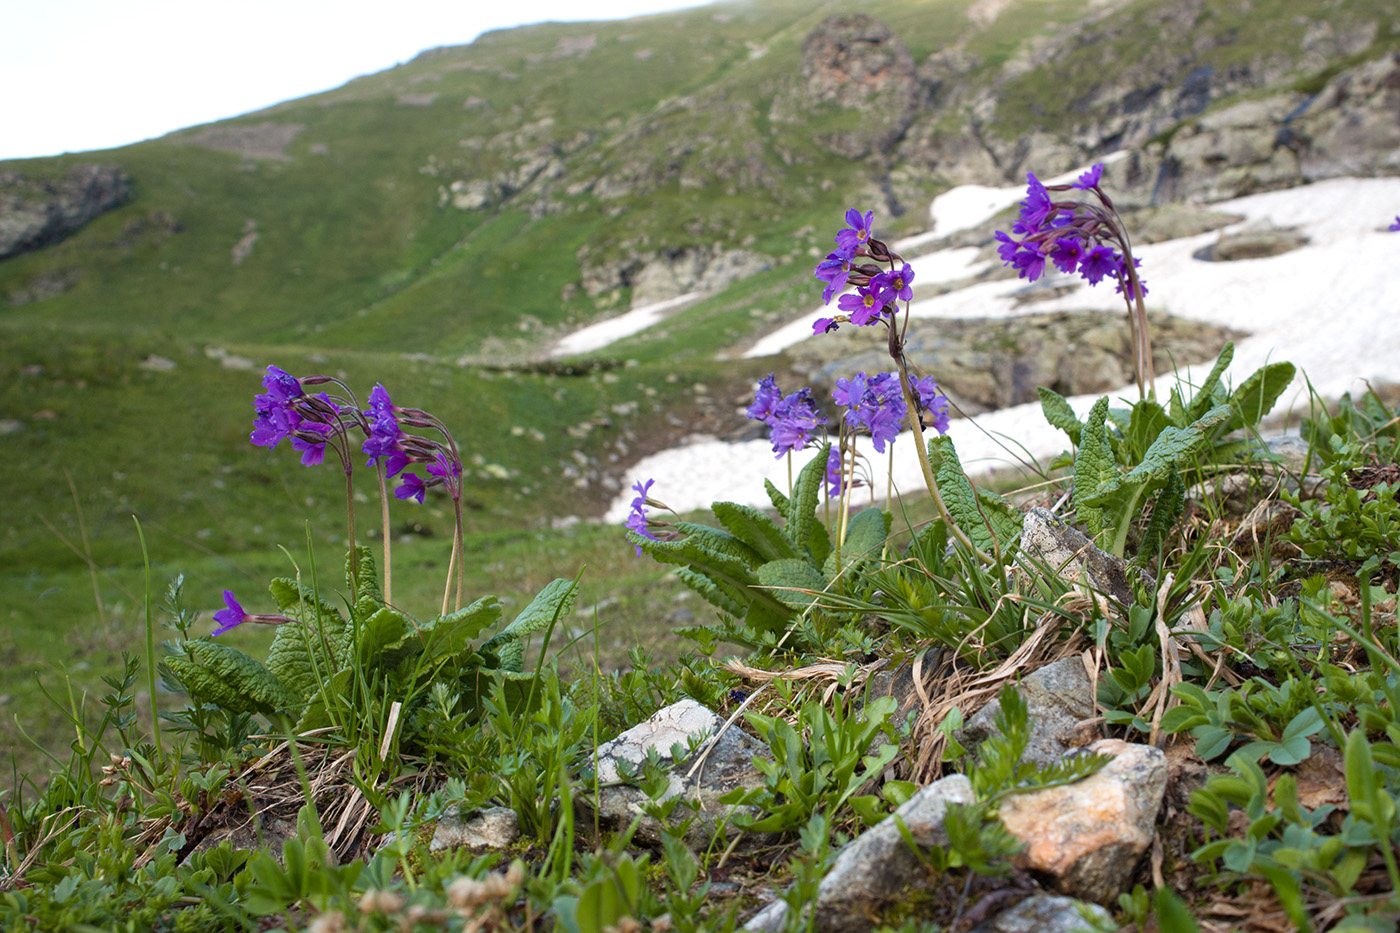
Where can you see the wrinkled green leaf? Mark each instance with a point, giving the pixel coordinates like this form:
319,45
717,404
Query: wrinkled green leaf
1094,466
226,677
958,492
865,539
802,510
1256,396
1207,396
1059,414
793,572
755,529
550,605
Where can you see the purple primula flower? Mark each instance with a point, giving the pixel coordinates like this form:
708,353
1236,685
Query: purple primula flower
411,486
1008,248
1395,227
1037,208
864,306
765,398
1099,262
1029,261
1067,254
792,422
313,450
379,403
281,385
850,392
857,231
231,617
442,468
894,285
637,518
874,403
824,325
833,270
274,424
1089,179
931,401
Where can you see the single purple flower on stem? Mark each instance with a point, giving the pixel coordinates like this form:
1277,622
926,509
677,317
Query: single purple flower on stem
864,306
1099,262
281,385
1395,227
856,233
379,403
1067,254
895,285
765,399
1037,208
849,393
1089,179
823,325
931,401
274,424
637,518
1029,261
313,451
411,487
231,617
833,270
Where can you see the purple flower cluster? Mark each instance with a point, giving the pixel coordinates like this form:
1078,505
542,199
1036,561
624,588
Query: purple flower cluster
286,411
875,403
637,518
792,420
876,290
1074,236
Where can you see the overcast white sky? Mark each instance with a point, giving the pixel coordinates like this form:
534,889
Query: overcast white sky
93,74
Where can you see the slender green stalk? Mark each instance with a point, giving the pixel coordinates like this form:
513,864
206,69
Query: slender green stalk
354,554
87,551
384,515
927,469
150,641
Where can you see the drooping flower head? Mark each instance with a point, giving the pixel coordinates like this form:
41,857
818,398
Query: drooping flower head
1037,208
637,517
277,417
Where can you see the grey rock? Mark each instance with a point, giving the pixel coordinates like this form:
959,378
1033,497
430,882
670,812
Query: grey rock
492,828
1253,243
1045,913
727,765
1058,697
871,871
35,213
858,65
10,426
1067,551
1087,836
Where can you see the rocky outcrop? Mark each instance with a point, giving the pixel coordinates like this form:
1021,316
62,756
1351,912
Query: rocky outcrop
659,275
37,213
856,67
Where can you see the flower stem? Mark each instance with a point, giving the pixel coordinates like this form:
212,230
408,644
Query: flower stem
354,554
916,425
384,514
